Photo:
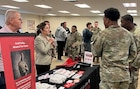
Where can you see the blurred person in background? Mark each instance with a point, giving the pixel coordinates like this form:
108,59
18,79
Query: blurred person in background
87,34
68,33
95,31
43,47
127,22
73,42
60,36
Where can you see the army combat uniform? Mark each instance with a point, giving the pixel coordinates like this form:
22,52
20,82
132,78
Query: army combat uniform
116,47
94,35
136,63
74,40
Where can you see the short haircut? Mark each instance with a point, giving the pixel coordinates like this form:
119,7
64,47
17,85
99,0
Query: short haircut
46,21
62,24
127,18
75,26
89,23
10,14
96,22
112,13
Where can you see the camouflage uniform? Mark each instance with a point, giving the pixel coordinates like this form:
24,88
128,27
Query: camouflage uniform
136,63
116,47
94,35
74,40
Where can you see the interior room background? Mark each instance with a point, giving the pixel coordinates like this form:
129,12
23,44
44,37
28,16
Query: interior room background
80,22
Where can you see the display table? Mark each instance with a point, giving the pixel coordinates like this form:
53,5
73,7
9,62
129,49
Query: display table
91,74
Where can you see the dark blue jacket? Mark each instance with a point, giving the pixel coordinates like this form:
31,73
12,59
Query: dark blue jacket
87,35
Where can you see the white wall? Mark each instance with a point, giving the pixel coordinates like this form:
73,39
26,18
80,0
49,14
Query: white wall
26,17
80,22
2,20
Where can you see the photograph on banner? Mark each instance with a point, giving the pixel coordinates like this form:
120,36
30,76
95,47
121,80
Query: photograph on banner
18,59
21,62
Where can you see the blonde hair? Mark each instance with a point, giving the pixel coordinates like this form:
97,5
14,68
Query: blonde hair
10,14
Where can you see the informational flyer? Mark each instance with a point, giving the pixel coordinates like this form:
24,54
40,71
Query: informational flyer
88,57
18,59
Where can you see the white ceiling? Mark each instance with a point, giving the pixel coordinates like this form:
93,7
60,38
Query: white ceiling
28,7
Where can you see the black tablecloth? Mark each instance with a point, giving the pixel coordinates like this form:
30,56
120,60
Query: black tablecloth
91,73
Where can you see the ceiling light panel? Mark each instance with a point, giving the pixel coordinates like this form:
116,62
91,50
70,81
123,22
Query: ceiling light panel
134,14
82,5
75,14
129,4
21,0
95,11
101,14
43,6
131,11
8,6
51,14
64,11
70,0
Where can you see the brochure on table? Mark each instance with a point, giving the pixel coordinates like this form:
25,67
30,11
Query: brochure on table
18,56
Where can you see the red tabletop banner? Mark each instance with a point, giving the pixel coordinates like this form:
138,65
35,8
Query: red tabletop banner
18,58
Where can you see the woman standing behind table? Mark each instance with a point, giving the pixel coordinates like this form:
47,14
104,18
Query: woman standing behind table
43,47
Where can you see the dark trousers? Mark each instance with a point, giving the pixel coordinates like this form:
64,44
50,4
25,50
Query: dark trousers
87,47
2,81
42,69
66,53
60,48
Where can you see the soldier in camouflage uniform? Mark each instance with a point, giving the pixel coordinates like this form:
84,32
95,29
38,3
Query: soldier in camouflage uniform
116,47
95,31
127,22
73,42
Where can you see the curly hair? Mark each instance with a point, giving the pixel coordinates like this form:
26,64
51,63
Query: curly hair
112,13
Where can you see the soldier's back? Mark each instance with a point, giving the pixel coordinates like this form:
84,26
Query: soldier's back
116,44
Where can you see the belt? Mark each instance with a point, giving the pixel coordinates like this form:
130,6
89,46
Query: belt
1,74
